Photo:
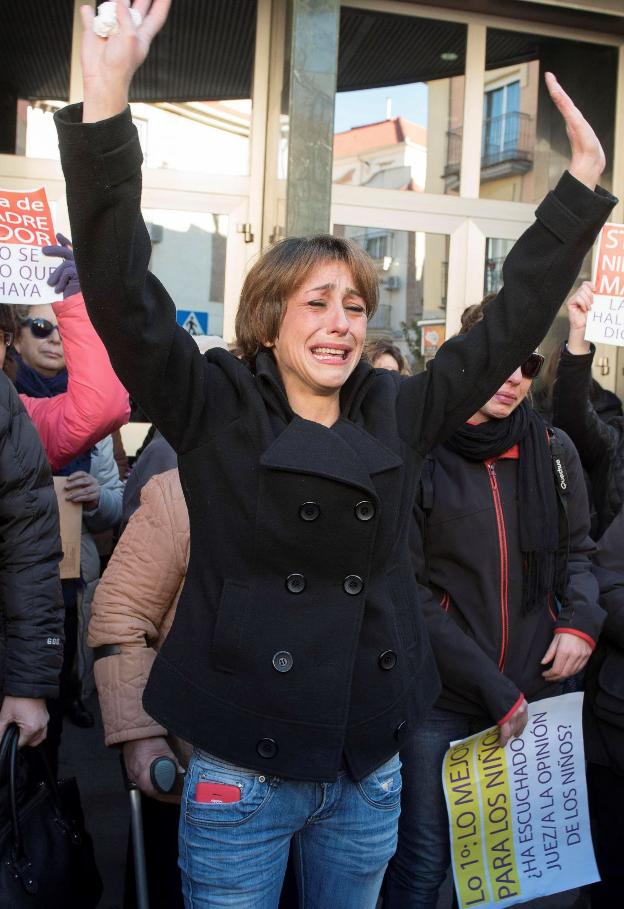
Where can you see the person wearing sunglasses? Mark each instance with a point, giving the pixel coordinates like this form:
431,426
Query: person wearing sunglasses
31,613
67,386
75,405
508,561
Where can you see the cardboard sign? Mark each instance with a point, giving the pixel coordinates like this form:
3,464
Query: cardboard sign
70,515
518,815
605,322
25,226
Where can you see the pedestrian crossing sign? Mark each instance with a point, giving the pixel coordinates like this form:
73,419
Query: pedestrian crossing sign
196,323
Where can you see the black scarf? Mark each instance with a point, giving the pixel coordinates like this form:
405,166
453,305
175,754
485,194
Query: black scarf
538,509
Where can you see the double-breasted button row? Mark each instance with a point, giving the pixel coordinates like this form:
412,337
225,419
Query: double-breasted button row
352,584
310,511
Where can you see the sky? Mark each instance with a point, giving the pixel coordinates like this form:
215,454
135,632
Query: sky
369,106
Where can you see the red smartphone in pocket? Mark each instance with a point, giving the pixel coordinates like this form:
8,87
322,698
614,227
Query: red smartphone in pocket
216,793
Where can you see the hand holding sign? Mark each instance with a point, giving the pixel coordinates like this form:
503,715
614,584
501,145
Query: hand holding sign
588,159
63,279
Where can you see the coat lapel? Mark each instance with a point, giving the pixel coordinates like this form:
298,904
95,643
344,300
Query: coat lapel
345,453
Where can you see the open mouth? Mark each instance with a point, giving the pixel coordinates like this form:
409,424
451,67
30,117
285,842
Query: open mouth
327,354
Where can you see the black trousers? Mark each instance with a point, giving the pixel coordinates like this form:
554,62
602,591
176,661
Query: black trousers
605,790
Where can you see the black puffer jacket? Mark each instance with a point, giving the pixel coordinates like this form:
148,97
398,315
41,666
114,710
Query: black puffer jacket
31,606
600,444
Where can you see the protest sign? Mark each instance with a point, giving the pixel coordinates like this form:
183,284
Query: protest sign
70,519
25,226
605,322
518,815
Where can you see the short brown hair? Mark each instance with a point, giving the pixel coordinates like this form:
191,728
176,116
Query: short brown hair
381,346
472,315
280,271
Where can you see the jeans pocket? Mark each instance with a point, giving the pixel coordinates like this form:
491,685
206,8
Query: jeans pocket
382,787
256,790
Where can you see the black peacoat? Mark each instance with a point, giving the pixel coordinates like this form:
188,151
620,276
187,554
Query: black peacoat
298,646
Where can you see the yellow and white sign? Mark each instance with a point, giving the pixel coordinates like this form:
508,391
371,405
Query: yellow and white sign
518,815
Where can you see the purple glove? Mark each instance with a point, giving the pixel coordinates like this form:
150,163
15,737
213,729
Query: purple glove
63,279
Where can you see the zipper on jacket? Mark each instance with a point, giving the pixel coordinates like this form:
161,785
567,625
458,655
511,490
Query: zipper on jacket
504,562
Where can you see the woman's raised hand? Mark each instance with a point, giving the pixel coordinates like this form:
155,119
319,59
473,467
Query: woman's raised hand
108,64
588,159
579,306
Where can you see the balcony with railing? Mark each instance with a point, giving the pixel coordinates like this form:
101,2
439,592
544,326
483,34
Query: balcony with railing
506,149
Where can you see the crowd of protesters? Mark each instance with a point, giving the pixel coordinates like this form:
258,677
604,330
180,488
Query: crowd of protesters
295,614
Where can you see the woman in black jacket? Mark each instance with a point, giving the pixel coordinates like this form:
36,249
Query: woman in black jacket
508,560
31,606
601,448
296,651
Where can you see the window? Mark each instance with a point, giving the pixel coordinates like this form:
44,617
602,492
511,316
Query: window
501,123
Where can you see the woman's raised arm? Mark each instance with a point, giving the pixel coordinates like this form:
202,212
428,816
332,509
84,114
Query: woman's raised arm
157,361
537,275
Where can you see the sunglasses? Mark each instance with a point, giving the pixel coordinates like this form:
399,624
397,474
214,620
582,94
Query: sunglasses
6,337
532,365
40,328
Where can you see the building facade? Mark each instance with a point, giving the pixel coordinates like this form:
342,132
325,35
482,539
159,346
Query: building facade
423,131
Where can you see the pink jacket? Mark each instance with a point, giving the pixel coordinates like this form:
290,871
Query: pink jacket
95,403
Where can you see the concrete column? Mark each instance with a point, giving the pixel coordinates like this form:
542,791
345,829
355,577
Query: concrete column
75,70
313,69
473,112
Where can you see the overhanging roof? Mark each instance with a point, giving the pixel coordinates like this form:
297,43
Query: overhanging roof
205,51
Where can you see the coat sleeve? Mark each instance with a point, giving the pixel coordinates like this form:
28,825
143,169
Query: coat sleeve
134,600
581,614
595,441
30,551
537,275
106,472
464,668
158,362
95,402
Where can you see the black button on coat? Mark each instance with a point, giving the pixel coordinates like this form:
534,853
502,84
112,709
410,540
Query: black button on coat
247,463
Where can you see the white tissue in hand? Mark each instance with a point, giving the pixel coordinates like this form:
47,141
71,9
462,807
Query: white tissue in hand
105,23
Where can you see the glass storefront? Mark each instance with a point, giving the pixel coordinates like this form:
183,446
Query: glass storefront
397,124
188,256
524,147
413,272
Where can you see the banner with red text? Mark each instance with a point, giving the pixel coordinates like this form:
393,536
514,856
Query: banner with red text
518,815
25,226
605,322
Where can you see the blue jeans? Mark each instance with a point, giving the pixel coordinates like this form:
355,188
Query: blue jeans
423,856
235,854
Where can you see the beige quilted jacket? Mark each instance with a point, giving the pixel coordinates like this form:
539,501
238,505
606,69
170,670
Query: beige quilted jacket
134,606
